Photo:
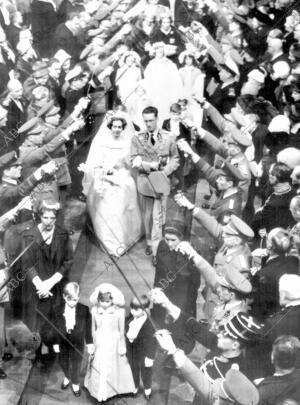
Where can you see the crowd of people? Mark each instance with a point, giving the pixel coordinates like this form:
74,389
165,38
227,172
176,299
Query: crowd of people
118,115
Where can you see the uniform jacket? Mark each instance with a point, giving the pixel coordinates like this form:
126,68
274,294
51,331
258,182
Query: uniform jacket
29,85
164,150
24,68
238,257
229,202
240,162
32,156
12,194
16,116
82,332
59,155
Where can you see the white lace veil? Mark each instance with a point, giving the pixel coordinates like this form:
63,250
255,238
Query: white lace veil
101,140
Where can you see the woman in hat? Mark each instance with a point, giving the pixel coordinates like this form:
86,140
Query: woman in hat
128,76
109,372
162,80
110,190
175,273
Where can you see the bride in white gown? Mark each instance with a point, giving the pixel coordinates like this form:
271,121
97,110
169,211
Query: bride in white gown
110,190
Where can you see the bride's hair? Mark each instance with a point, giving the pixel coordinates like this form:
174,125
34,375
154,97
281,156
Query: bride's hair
111,121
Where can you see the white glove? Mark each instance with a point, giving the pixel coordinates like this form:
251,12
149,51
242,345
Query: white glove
159,297
182,201
184,147
165,341
90,349
137,162
259,252
148,362
25,204
122,351
83,167
186,249
56,348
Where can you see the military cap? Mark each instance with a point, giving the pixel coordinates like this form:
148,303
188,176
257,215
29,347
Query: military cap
40,92
38,65
48,110
8,159
238,227
243,327
236,388
88,51
31,127
62,56
229,170
73,73
280,123
239,138
234,280
175,227
40,69
49,205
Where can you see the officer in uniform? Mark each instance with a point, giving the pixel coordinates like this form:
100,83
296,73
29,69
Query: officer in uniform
153,151
225,179
50,117
233,149
231,343
33,151
232,288
232,237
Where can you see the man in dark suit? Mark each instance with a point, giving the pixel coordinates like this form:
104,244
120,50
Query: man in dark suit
44,22
284,322
16,106
66,35
74,328
140,343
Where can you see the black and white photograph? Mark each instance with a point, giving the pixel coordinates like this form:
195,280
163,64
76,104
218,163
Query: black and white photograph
150,202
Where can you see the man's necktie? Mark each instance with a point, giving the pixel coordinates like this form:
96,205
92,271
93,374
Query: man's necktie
152,140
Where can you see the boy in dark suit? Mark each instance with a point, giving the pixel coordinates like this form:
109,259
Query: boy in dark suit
74,328
141,344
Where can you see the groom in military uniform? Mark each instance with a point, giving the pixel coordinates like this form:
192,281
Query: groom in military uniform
155,156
